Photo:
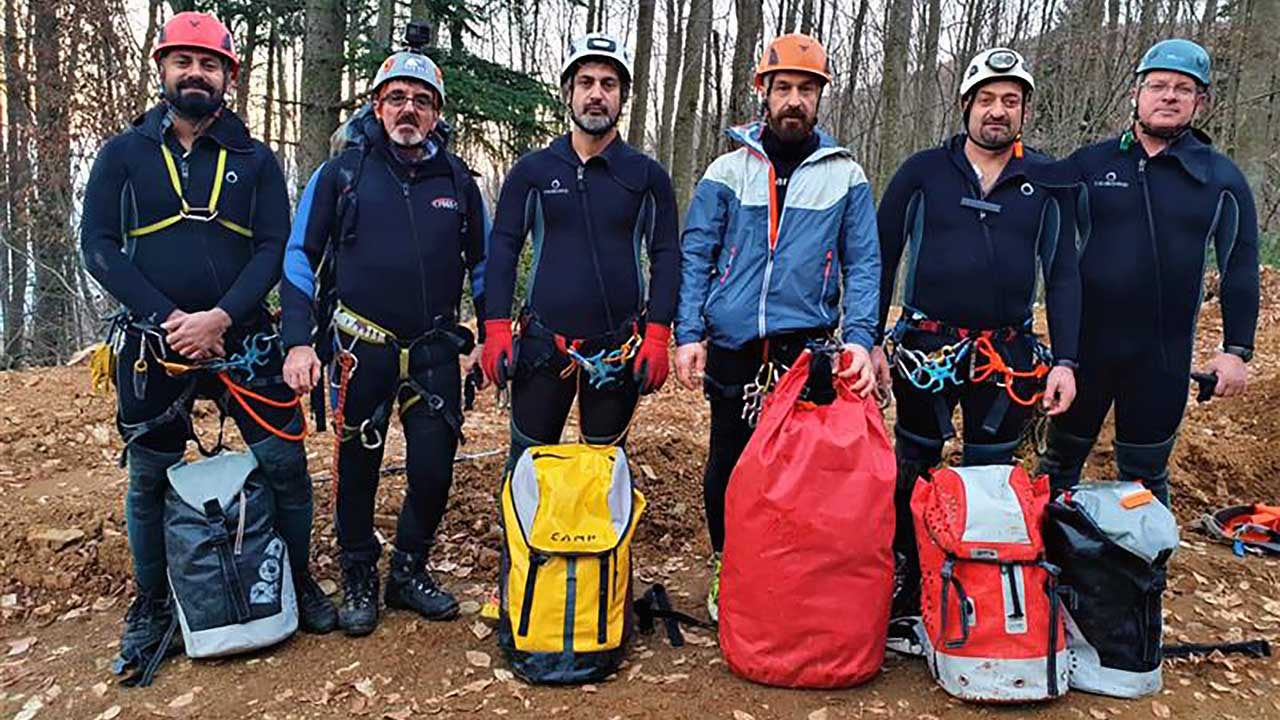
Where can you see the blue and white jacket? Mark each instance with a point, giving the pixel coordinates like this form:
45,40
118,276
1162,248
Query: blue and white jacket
751,270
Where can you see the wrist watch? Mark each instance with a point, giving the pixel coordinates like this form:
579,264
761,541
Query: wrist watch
1071,365
1244,353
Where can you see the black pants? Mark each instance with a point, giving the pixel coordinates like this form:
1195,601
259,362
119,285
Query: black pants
1149,398
541,399
727,371
431,428
143,397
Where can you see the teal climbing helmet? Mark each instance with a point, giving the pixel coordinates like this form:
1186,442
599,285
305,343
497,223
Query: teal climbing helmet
1177,55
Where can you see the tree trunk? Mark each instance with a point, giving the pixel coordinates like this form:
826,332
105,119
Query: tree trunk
272,107
746,48
682,157
926,75
147,69
848,107
713,112
18,195
675,42
806,18
53,319
386,22
245,84
640,83
322,60
896,50
1207,21
1261,52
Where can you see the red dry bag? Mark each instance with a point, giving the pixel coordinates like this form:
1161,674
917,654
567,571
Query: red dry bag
808,565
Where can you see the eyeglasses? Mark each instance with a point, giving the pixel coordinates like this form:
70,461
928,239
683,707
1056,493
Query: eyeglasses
1002,60
421,101
1182,91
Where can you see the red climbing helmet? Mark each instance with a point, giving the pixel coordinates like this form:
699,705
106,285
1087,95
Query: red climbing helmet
197,30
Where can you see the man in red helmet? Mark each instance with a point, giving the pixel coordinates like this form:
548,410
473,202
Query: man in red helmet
185,222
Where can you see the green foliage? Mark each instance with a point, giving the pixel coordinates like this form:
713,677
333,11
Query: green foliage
494,109
1269,248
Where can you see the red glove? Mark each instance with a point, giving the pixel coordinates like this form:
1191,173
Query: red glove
498,351
652,362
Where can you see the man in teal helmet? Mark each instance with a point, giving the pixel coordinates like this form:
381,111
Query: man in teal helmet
1155,199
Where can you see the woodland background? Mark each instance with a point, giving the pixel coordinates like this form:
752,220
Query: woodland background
76,72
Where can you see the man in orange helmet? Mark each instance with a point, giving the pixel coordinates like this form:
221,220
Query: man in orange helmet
185,222
775,229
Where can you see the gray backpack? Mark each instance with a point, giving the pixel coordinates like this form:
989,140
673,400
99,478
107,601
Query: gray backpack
1113,542
228,568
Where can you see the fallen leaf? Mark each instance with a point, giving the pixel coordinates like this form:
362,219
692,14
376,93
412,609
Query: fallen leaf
481,630
365,687
404,714
1098,714
1160,710
740,715
182,700
819,714
469,607
100,689
17,647
478,659
589,688
110,713
1219,687
328,587
503,675
634,671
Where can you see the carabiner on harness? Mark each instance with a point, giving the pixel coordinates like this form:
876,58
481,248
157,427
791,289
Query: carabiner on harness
755,392
931,371
604,368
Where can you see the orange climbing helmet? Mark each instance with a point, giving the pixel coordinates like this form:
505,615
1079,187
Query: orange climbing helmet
795,52
197,30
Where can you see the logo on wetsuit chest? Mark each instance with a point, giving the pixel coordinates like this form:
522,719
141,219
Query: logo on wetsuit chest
1109,181
444,203
556,188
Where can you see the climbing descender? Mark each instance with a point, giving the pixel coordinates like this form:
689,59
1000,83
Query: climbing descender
604,369
932,371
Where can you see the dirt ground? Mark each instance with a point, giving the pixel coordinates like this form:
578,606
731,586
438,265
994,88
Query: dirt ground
63,594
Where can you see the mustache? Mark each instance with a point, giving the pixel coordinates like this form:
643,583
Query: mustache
196,83
407,119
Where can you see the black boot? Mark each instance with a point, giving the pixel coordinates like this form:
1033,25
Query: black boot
145,626
411,587
906,575
359,612
315,613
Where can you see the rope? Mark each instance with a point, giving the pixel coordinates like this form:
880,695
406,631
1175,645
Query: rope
990,364
346,361
239,392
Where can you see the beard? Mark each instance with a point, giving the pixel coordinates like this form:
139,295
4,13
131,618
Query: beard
996,134
407,132
792,126
194,99
593,124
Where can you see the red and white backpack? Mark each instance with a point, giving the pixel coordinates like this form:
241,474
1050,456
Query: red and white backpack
992,618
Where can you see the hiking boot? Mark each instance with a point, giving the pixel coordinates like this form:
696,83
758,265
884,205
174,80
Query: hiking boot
713,594
906,589
145,626
316,614
411,587
359,612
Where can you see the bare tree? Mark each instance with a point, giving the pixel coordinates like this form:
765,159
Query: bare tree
682,157
893,76
322,61
675,43
746,49
18,195
640,85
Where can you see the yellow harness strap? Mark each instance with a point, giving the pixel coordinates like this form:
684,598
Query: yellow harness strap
187,212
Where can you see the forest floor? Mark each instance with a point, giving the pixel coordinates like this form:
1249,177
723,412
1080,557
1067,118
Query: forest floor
64,584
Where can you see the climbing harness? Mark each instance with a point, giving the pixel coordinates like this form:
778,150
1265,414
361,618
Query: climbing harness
445,334
197,214
973,357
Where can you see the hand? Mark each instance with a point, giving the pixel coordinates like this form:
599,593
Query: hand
856,362
884,377
652,362
302,369
470,361
1059,390
1233,375
691,362
197,335
499,349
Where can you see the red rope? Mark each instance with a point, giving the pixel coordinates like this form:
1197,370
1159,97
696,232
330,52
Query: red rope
995,365
345,362
240,392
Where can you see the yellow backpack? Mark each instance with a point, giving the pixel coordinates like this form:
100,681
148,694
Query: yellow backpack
569,513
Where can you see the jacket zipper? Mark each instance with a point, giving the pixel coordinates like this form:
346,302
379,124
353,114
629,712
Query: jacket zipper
1155,253
826,275
422,268
591,242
